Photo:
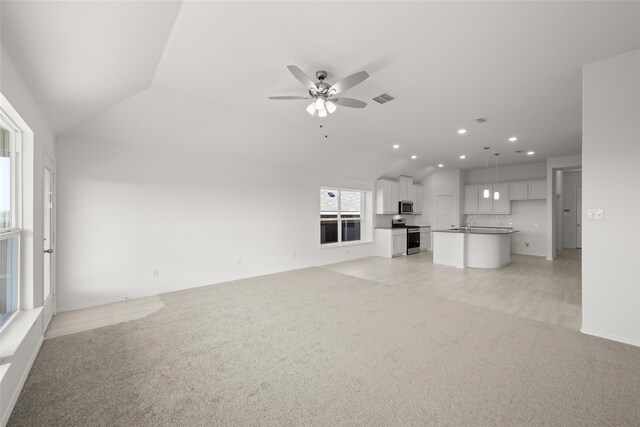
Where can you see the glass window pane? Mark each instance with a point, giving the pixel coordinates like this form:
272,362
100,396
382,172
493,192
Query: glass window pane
350,230
328,232
8,278
328,200
5,179
350,202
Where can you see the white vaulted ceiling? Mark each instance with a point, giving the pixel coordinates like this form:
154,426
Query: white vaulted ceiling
212,65
79,58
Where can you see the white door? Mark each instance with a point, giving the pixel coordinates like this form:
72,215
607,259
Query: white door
579,217
49,242
445,212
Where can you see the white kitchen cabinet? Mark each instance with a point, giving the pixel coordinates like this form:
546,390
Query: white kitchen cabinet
390,242
518,190
416,196
399,244
503,204
485,205
475,203
386,197
471,199
425,239
528,190
537,190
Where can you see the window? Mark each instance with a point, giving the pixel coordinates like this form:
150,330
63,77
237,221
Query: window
341,215
9,233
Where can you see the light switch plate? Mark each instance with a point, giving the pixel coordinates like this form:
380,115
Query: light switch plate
595,214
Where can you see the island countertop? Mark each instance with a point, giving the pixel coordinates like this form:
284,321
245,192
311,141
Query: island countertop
478,230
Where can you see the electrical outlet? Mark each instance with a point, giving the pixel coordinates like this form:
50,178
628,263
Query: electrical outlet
155,273
527,244
239,262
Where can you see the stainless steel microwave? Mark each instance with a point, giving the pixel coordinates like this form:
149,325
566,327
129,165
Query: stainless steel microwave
405,207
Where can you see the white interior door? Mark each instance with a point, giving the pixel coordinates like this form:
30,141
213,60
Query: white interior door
579,217
49,241
444,212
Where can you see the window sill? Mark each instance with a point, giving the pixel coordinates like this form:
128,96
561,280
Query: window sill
341,244
17,329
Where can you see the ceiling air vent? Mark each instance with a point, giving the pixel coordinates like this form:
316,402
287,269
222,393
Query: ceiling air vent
385,97
481,120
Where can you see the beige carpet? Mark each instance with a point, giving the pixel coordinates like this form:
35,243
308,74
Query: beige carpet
315,347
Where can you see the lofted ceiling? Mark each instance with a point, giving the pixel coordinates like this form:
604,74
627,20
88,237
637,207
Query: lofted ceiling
198,74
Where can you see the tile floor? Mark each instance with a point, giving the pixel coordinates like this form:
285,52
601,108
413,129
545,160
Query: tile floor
530,287
70,322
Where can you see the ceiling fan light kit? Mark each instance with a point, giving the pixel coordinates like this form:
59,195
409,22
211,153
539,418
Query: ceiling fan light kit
322,93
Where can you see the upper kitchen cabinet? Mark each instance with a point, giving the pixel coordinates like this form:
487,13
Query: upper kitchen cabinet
471,199
386,196
503,204
389,193
528,190
416,196
537,189
519,190
476,203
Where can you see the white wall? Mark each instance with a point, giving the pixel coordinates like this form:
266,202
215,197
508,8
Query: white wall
125,211
17,93
570,181
611,181
523,172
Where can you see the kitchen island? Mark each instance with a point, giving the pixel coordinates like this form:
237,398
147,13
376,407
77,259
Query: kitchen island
479,247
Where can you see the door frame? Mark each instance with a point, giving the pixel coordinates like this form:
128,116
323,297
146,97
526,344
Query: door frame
578,218
49,303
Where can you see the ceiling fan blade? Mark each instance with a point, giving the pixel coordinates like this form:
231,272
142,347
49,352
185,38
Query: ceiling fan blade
289,97
349,102
348,82
302,77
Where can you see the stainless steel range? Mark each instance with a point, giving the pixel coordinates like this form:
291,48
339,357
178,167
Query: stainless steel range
413,240
413,235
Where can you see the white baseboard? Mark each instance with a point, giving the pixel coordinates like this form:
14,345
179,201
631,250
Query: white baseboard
610,337
23,379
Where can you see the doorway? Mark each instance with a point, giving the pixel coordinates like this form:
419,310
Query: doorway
48,289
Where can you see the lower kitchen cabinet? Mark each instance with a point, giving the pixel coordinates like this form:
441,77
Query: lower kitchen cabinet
400,244
390,242
425,239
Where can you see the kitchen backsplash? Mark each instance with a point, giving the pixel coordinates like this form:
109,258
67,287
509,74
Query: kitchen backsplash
385,220
491,220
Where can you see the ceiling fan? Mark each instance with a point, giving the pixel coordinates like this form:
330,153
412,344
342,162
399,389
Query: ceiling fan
323,94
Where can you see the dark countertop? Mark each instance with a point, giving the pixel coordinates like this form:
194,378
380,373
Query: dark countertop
478,230
400,228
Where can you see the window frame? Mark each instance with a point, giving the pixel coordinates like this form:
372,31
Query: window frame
339,219
14,230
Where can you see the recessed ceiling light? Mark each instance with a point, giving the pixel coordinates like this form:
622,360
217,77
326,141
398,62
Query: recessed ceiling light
440,165
396,146
463,157
513,139
414,157
462,131
530,153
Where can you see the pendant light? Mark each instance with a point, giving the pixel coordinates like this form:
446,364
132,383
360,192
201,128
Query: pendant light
496,193
486,193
